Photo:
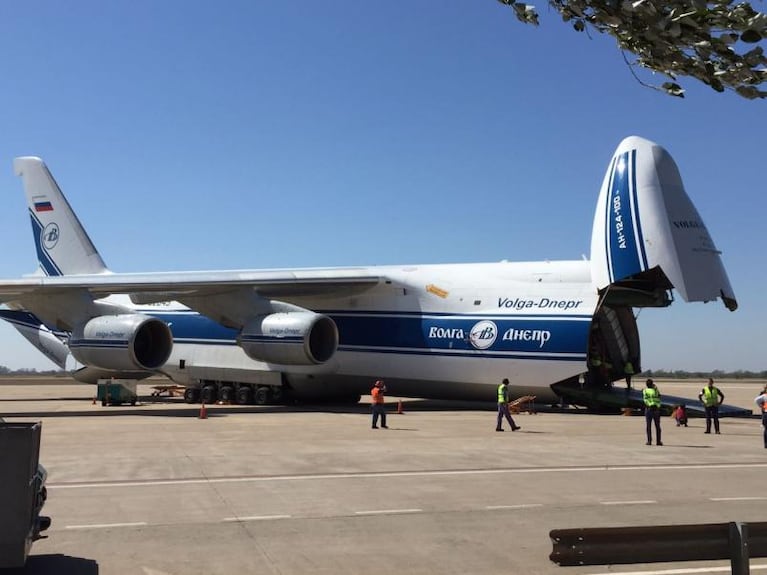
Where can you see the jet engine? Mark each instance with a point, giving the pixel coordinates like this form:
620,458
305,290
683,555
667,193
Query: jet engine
290,338
126,342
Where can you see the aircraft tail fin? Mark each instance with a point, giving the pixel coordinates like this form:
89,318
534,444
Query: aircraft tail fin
62,244
648,235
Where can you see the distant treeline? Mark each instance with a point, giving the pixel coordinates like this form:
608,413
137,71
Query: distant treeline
26,371
716,374
659,373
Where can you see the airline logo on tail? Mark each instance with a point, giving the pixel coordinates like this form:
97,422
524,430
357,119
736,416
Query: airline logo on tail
50,236
47,239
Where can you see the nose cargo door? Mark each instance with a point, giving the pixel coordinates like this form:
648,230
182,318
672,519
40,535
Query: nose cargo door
648,236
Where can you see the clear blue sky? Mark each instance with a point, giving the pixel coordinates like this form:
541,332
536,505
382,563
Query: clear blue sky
255,134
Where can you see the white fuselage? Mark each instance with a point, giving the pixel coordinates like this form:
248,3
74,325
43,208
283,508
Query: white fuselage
443,331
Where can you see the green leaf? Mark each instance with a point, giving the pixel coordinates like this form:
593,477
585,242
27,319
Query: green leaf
673,89
751,36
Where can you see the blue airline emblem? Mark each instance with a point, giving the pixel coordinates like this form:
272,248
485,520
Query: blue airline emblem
50,235
483,334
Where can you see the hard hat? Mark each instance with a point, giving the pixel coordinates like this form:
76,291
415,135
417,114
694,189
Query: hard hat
379,383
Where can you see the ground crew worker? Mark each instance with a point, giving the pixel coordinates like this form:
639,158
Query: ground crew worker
378,404
712,397
503,407
761,401
595,364
628,370
651,398
595,359
607,370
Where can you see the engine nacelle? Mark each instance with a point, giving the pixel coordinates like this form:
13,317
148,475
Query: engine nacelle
290,338
126,342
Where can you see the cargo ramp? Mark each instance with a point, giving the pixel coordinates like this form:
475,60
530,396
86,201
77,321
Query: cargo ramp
613,399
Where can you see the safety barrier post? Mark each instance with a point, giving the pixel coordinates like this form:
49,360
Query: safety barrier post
739,560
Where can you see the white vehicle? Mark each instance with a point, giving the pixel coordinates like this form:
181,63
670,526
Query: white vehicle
431,331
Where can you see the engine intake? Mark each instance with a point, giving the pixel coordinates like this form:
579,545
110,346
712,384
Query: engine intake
290,338
122,342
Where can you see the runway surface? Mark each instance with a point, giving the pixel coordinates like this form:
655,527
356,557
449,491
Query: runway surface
154,490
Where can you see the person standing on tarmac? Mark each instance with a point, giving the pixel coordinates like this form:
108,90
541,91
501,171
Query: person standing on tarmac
378,404
712,397
503,407
628,370
651,398
761,401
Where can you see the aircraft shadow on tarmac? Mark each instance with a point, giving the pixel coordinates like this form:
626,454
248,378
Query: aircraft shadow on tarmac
175,407
56,563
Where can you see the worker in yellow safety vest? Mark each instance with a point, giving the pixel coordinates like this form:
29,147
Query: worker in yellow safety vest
503,407
628,371
651,398
712,397
761,401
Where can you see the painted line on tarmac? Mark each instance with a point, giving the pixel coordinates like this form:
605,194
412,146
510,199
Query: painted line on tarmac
106,525
388,511
391,474
258,518
519,506
683,571
756,498
634,502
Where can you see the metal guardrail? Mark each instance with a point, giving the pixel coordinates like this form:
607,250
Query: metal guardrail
664,543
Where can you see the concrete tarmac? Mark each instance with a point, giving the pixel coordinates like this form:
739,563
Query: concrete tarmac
154,490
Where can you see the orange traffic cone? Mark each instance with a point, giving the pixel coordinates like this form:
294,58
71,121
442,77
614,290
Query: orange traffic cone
399,407
203,411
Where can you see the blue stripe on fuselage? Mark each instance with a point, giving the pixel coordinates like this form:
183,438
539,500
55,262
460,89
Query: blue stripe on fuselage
415,332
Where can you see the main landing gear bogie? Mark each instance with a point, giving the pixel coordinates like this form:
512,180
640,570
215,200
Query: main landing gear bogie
239,394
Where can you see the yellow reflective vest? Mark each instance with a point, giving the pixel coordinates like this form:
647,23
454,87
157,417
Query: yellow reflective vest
651,396
710,396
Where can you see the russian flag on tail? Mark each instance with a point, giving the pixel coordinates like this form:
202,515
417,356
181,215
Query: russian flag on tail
43,207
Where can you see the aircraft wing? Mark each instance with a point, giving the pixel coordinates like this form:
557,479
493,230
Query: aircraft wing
268,283
229,297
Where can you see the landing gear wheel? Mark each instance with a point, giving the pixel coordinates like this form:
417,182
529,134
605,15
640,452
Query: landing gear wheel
244,395
208,394
227,393
261,396
278,396
191,395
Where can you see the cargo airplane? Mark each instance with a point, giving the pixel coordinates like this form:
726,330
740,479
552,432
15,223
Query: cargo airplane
431,331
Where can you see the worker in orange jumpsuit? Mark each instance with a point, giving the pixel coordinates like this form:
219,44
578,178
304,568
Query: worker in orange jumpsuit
378,404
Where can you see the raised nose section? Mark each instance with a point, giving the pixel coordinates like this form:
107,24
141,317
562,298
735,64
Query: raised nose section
648,234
